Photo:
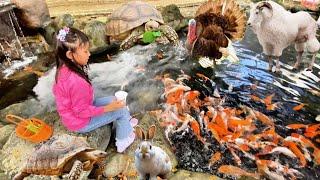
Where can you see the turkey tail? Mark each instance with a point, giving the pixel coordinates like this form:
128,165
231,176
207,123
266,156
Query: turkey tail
227,14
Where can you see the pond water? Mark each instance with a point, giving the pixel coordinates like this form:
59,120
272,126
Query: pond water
137,71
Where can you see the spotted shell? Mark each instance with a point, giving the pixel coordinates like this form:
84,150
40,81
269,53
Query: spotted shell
131,15
50,157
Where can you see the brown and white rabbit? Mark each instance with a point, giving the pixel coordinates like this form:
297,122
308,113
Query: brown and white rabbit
150,160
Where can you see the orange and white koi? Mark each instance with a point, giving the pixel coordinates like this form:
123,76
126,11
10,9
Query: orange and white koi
235,156
235,171
284,151
202,76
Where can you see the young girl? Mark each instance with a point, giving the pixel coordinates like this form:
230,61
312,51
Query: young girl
74,94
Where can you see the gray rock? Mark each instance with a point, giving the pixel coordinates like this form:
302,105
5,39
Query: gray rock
33,13
172,16
64,20
96,32
49,32
25,109
188,175
5,133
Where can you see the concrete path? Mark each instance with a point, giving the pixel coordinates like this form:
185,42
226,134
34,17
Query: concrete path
104,7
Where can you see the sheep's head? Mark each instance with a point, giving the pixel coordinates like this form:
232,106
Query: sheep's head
259,12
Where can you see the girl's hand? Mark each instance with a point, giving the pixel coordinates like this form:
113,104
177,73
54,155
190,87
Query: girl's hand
114,105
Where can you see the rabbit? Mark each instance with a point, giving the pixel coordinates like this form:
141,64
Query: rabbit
150,160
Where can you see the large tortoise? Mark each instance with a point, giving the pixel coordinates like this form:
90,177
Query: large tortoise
64,154
129,22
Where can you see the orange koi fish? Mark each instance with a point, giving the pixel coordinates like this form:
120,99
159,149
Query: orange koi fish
268,99
263,118
298,107
296,126
214,158
293,147
272,107
235,171
196,129
255,98
175,97
202,76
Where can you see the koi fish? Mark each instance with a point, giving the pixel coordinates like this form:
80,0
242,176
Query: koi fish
296,126
235,171
214,158
268,99
298,107
284,151
296,151
255,98
263,118
203,77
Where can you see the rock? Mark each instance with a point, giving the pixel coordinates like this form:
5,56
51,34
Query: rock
16,88
33,13
64,20
5,133
189,175
120,163
96,32
80,23
172,16
49,32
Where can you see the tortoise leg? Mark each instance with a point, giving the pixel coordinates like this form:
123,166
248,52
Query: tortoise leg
169,33
88,165
132,39
21,176
76,170
97,171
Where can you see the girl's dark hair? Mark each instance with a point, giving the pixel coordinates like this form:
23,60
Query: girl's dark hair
73,39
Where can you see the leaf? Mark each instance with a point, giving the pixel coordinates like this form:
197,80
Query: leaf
148,37
156,33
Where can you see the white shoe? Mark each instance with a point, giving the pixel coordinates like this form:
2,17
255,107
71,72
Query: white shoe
134,122
123,144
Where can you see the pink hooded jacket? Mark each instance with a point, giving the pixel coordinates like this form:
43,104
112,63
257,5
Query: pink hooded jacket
74,99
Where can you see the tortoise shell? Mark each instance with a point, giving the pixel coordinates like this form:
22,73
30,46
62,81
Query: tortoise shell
50,157
130,16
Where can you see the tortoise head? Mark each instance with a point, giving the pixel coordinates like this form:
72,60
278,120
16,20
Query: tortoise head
96,155
152,25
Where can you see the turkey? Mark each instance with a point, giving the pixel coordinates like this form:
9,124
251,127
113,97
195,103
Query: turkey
211,32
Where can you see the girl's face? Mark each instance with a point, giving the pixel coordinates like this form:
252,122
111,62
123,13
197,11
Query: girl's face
81,54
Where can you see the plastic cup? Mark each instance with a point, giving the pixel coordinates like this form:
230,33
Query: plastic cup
121,95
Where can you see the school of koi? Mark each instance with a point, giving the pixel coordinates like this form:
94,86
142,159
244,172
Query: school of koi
231,137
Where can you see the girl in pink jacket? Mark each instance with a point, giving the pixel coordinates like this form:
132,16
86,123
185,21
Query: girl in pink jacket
74,93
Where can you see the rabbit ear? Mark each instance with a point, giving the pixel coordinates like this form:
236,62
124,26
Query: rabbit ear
139,132
151,132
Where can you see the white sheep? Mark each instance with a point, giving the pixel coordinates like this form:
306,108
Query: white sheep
318,22
277,28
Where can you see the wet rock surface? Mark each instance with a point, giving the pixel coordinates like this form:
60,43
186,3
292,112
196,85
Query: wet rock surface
32,14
